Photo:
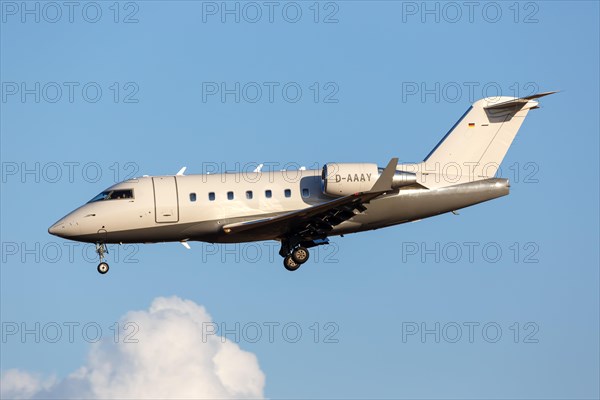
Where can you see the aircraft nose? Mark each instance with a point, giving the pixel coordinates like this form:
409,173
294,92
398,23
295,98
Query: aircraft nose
58,229
64,228
53,230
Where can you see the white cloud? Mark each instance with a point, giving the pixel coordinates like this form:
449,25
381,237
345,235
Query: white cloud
17,384
172,359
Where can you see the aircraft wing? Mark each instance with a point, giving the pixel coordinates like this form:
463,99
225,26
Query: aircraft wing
318,220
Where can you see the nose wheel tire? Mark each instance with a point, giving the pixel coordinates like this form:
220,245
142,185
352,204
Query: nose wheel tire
103,268
290,264
300,255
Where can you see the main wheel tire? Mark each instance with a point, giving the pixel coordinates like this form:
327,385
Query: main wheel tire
300,255
290,264
103,268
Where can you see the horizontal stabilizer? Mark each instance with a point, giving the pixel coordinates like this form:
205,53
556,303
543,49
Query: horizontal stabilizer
517,102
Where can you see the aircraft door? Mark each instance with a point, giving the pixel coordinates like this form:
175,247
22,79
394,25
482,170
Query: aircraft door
166,206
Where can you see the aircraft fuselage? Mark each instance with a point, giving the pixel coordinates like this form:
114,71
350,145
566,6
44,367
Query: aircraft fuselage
196,207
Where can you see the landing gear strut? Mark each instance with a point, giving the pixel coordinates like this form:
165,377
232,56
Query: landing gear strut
101,249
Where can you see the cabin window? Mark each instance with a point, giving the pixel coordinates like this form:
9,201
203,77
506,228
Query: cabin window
288,193
305,192
192,196
268,194
211,196
249,194
113,195
229,195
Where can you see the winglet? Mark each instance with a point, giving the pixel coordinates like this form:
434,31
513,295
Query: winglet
384,183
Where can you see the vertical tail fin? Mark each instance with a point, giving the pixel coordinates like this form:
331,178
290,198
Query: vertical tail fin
478,142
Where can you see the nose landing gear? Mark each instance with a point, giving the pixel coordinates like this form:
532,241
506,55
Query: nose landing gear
101,249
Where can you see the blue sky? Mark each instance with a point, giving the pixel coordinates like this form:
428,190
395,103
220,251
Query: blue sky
357,68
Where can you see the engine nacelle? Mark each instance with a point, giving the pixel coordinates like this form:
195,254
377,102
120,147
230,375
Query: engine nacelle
342,179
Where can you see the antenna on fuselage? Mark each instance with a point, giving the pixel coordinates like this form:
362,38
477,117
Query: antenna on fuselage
181,171
258,169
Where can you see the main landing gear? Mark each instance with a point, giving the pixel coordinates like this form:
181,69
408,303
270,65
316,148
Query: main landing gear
101,249
297,257
295,251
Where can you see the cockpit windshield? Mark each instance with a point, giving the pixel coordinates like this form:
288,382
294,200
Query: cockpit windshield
113,195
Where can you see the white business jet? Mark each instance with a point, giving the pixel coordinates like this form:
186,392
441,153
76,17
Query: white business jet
301,209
